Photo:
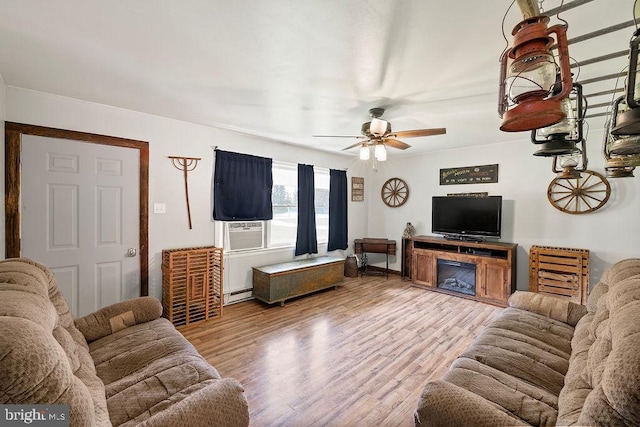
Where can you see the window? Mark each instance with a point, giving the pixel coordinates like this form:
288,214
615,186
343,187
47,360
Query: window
281,230
321,181
284,198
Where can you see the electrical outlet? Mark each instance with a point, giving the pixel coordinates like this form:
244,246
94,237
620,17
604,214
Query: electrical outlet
159,208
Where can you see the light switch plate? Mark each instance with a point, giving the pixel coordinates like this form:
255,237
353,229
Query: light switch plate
159,208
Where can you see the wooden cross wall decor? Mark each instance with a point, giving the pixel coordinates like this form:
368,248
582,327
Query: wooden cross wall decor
186,165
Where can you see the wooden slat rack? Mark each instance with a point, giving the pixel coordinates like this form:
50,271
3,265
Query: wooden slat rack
560,272
192,284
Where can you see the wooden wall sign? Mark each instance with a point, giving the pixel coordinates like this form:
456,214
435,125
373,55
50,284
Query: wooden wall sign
481,194
357,189
469,175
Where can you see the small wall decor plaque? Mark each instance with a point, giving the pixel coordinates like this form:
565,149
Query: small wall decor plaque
357,189
469,175
481,194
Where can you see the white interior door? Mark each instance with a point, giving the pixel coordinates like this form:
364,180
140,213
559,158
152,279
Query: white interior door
80,217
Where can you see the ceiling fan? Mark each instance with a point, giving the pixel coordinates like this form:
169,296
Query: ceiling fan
378,133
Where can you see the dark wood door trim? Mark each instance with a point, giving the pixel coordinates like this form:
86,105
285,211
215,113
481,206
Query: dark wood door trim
13,140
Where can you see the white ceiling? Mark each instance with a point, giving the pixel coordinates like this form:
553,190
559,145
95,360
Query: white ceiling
286,69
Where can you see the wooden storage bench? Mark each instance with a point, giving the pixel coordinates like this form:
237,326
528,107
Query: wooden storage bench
279,282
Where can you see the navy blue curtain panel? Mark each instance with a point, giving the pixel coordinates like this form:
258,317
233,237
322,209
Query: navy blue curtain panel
306,239
242,187
338,230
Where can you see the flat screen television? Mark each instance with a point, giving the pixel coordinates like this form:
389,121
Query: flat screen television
467,218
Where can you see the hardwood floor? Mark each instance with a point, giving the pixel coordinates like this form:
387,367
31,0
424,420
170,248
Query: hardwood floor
355,356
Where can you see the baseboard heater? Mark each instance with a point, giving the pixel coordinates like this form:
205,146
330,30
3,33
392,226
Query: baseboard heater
238,296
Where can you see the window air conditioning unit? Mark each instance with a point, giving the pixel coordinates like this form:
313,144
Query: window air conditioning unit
242,236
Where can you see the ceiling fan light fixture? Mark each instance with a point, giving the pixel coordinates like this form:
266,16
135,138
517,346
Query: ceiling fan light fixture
364,152
380,152
378,127
377,133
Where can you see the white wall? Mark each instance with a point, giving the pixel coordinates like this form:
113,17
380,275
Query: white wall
171,137
610,233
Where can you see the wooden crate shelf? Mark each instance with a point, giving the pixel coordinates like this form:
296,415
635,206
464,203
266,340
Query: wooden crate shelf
192,288
561,272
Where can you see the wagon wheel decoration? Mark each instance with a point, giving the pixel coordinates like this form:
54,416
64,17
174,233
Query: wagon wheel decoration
395,192
579,195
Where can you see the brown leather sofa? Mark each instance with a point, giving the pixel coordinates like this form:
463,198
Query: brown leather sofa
123,365
546,361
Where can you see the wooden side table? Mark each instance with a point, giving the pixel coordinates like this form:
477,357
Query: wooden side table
377,246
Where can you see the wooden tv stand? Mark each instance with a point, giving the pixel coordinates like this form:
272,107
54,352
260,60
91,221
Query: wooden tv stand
495,266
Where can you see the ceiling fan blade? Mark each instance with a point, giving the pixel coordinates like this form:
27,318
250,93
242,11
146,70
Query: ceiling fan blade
396,144
354,145
418,132
337,136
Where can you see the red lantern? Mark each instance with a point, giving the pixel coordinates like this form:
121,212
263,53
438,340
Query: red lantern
526,98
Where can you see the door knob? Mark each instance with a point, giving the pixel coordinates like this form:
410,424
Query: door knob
132,252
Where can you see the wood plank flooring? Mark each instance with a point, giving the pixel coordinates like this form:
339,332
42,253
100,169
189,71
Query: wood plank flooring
355,356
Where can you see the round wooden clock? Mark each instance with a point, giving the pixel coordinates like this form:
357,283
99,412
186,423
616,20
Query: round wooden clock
579,195
395,192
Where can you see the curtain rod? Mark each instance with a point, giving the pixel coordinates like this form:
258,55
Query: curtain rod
215,148
323,167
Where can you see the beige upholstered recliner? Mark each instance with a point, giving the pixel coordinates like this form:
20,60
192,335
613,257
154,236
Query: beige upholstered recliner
123,365
546,361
